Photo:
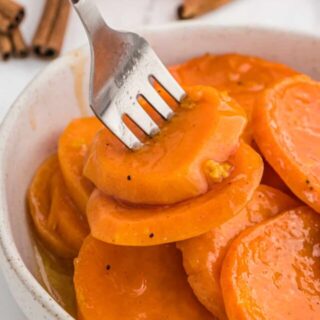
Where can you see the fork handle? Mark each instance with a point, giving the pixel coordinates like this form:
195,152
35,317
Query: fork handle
90,16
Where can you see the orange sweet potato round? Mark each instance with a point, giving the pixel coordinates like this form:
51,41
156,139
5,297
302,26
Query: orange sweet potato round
57,221
64,216
287,131
73,146
203,255
242,76
169,168
272,271
115,282
118,223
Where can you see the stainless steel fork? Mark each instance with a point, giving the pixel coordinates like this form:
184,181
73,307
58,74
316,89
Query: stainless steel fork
123,66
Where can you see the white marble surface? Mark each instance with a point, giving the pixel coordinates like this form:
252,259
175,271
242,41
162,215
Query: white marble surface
301,15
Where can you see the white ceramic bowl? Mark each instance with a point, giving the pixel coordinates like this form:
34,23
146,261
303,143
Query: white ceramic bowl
31,128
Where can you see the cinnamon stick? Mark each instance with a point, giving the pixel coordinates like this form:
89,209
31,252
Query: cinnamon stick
12,10
20,48
5,24
49,36
5,47
55,42
45,25
192,8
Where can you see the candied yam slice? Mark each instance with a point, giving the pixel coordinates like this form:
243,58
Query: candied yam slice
39,201
57,221
65,217
72,149
272,271
287,131
169,167
116,282
118,223
203,255
242,76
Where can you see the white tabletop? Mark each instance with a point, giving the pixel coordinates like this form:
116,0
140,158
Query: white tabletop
302,15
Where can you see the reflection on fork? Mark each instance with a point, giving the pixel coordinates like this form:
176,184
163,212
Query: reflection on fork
122,68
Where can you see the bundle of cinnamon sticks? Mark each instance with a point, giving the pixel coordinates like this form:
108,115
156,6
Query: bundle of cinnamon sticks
11,40
48,38
193,8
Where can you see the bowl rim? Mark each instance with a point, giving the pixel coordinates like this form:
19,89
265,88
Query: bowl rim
8,247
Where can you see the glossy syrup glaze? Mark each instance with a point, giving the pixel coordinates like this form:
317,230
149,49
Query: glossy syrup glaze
272,271
116,282
243,77
287,131
203,256
198,182
121,224
169,168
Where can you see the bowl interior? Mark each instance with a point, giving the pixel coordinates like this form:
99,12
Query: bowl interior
31,129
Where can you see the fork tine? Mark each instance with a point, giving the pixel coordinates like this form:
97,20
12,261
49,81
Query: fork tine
168,82
142,119
119,129
120,71
152,96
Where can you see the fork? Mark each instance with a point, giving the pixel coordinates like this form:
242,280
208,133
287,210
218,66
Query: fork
123,68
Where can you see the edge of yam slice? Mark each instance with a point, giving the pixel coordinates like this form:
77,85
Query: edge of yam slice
169,167
273,141
117,223
117,282
70,224
72,149
242,76
203,256
271,271
39,201
57,221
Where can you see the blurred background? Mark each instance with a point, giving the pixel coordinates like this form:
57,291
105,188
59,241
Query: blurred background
15,74
303,15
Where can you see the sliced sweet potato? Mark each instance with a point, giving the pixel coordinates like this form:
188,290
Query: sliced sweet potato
73,145
203,255
118,223
287,131
115,282
169,167
272,271
56,220
65,218
242,76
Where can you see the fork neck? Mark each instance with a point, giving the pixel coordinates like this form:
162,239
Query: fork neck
90,16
